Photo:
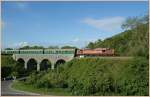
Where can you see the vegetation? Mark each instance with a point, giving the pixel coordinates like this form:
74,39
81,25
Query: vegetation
50,47
8,48
7,65
32,47
10,67
42,91
94,76
53,47
41,47
68,47
19,70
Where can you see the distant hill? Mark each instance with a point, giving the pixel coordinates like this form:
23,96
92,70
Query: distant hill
133,42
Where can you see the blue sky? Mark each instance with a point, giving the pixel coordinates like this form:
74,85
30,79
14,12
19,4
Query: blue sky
64,23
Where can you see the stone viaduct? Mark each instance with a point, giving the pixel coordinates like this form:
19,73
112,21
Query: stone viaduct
52,55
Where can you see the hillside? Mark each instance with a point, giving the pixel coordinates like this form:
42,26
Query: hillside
94,76
133,42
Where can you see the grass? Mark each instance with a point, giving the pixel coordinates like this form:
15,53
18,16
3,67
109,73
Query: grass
110,57
18,85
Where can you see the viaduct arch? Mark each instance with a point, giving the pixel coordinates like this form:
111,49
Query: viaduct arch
38,60
45,64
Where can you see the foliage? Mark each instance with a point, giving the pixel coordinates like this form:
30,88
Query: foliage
7,64
68,47
6,71
32,47
10,67
19,70
20,85
8,48
94,76
133,22
91,45
53,47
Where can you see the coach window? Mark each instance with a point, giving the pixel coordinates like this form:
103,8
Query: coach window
103,50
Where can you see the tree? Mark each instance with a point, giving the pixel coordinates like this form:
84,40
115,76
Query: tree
32,47
130,23
144,19
6,71
7,64
37,47
133,22
53,47
8,48
19,70
91,45
68,47
25,47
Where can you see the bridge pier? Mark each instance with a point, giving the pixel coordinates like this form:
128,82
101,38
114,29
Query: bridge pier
25,65
38,66
53,66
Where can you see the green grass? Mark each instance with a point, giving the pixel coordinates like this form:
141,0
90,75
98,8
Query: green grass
18,85
110,57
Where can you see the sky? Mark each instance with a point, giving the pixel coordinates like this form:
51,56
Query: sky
64,23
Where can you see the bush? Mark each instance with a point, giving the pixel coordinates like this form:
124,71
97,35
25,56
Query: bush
6,71
7,64
94,76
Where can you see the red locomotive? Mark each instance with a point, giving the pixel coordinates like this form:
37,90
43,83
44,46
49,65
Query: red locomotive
95,52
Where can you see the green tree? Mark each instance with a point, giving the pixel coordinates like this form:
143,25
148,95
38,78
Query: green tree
130,23
133,22
68,47
19,70
53,47
7,64
91,45
32,47
25,47
8,48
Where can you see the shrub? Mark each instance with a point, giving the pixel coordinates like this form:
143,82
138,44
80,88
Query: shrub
94,76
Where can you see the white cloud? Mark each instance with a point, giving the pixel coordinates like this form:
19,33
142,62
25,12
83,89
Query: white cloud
21,44
105,24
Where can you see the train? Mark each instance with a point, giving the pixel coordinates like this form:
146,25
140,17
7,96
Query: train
39,51
76,52
95,52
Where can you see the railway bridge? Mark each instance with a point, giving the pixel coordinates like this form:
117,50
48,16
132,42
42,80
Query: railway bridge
37,58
